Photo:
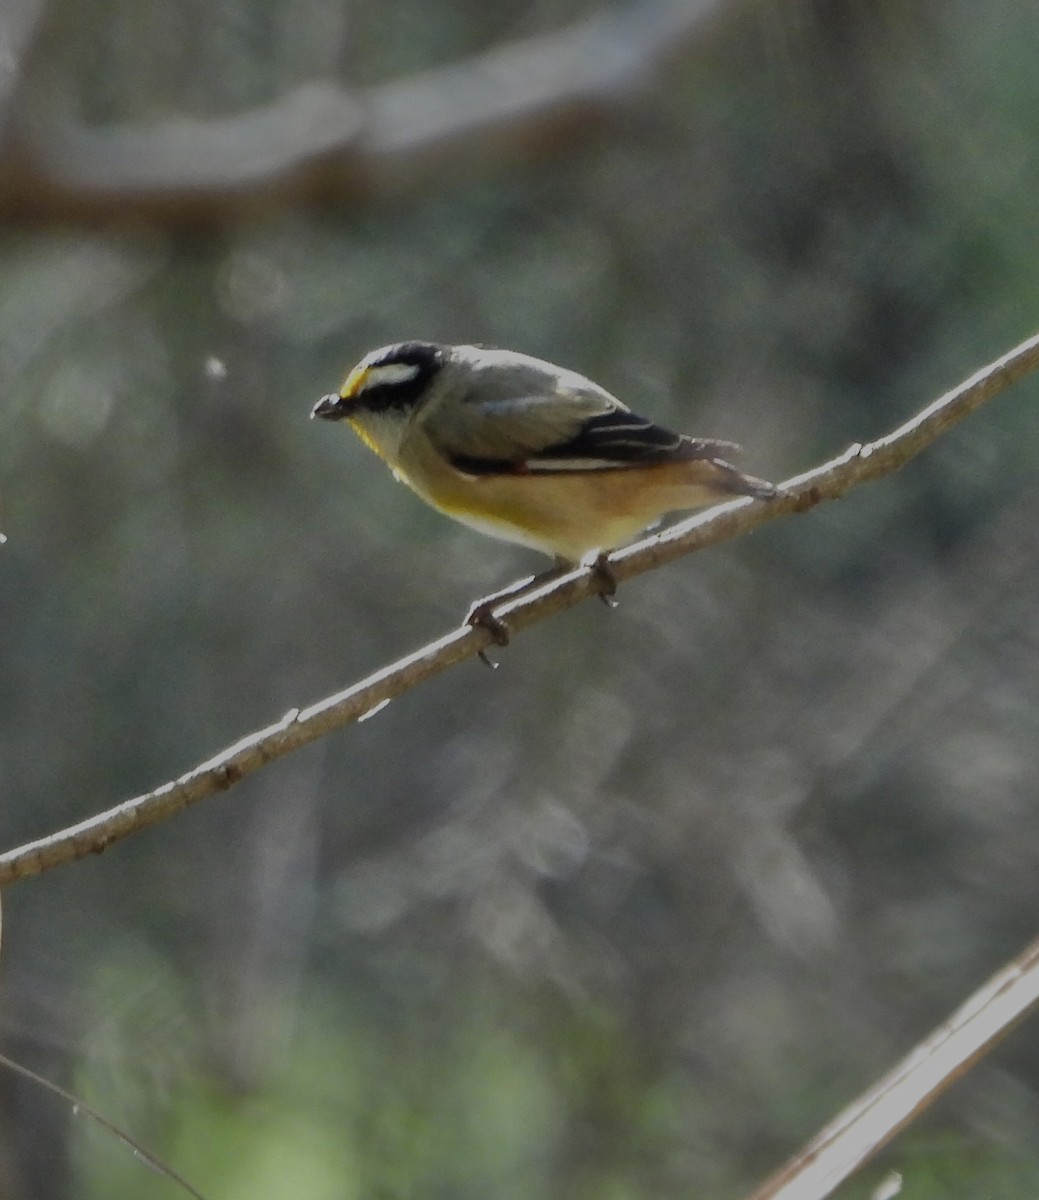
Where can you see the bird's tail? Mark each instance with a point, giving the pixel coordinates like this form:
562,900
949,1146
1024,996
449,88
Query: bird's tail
731,479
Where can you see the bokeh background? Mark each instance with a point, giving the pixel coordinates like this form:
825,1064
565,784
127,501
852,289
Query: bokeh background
633,915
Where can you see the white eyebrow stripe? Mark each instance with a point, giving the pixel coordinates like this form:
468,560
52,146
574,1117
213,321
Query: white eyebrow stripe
390,373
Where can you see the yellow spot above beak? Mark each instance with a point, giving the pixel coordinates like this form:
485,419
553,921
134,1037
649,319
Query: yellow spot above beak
354,382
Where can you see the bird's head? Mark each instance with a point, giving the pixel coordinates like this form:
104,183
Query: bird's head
391,380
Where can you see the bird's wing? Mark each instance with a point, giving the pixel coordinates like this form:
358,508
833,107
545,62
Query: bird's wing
571,429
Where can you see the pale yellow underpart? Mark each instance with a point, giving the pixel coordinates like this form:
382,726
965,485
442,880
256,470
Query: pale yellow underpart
566,515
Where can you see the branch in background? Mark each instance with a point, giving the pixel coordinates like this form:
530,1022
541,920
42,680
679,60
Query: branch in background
300,727
20,23
321,141
854,1136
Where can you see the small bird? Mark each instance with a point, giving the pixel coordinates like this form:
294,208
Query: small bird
527,451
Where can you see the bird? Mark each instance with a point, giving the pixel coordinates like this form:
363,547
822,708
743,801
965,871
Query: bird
528,452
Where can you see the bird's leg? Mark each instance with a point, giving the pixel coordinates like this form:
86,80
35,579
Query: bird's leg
603,572
482,613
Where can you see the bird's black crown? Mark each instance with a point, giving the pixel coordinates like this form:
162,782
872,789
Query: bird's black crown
423,358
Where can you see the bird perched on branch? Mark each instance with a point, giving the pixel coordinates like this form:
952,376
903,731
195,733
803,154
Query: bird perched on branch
527,451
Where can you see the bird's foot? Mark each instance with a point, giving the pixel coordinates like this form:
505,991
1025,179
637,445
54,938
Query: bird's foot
482,615
602,572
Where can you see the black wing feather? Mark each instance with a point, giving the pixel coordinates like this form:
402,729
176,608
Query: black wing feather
607,441
618,437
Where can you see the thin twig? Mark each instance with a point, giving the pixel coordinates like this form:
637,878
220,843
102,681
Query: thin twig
80,1107
854,1136
298,727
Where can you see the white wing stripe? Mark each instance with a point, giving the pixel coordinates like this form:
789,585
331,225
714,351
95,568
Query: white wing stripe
573,464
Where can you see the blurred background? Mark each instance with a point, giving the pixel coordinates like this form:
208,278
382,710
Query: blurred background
636,913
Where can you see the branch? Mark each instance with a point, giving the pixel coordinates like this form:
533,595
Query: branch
20,23
915,1083
319,140
297,728
79,1107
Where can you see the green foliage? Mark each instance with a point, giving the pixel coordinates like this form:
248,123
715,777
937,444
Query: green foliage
952,1166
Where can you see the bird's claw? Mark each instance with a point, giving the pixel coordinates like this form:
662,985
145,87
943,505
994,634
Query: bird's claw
603,573
481,616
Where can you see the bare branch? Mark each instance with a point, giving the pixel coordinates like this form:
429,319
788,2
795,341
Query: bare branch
319,140
20,22
298,728
854,1136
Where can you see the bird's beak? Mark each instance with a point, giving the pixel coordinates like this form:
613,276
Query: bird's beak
330,407
336,407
